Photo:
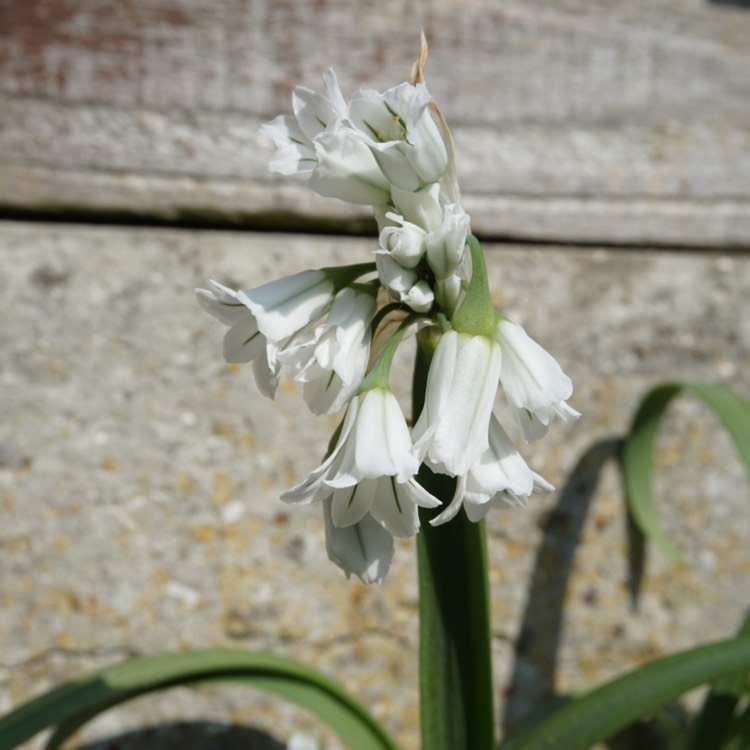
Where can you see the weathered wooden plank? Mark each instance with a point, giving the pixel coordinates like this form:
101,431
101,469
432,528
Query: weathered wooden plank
585,116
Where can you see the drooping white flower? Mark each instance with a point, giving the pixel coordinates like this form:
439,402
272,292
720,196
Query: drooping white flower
499,475
446,244
532,380
243,342
451,432
404,138
293,135
316,142
285,306
333,362
403,243
364,548
370,469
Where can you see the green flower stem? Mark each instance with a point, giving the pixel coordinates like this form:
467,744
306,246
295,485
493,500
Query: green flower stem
455,658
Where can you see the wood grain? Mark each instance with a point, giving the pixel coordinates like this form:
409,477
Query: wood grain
578,123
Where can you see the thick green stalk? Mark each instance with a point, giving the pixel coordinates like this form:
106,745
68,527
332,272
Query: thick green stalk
455,659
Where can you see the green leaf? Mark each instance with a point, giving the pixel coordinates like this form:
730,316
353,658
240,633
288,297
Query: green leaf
711,726
603,712
732,410
739,733
70,706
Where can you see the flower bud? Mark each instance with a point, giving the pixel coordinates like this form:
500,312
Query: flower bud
405,243
446,244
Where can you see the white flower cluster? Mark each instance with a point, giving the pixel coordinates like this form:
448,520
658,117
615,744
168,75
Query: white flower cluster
392,151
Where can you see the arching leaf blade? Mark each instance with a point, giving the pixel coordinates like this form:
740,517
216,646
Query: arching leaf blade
732,410
604,711
71,705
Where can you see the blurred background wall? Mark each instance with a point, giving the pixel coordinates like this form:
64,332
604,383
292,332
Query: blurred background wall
604,155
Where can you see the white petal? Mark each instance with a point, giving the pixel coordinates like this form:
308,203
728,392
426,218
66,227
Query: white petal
221,302
531,377
394,507
314,112
461,412
448,292
327,393
395,164
454,506
420,297
243,341
421,207
446,244
393,276
499,468
530,425
439,381
365,549
404,243
295,153
350,504
383,442
284,306
475,512
266,377
347,169
304,492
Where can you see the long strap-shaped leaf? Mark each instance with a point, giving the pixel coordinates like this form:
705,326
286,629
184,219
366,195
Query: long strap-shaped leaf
594,717
71,705
712,724
731,409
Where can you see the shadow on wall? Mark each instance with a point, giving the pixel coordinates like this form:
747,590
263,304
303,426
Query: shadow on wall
195,735
540,632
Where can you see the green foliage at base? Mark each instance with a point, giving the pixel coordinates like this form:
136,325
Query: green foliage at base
67,708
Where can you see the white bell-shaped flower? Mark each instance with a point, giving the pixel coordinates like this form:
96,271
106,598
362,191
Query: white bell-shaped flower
532,380
243,342
371,468
285,306
317,142
404,138
333,363
293,135
451,432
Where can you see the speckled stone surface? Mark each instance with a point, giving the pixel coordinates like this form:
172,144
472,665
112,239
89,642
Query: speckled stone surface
139,480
